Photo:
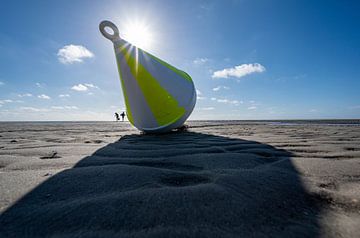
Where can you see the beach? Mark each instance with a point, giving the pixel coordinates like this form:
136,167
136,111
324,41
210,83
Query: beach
215,179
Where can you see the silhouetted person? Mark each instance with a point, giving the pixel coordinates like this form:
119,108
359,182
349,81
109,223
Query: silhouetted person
122,116
117,116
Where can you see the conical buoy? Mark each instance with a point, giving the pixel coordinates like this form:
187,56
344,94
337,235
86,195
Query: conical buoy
158,96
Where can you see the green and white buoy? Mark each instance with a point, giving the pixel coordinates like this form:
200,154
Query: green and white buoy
158,96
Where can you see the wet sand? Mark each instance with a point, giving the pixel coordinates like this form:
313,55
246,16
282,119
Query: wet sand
217,179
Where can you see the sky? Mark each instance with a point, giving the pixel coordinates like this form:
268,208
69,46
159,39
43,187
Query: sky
249,59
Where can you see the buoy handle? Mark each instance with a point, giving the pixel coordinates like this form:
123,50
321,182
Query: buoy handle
112,37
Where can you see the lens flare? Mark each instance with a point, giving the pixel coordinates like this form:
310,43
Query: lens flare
138,34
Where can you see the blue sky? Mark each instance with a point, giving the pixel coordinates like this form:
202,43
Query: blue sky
249,59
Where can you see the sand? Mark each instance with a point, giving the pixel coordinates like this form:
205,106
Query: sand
217,179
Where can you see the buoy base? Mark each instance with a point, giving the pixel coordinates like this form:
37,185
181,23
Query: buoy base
175,125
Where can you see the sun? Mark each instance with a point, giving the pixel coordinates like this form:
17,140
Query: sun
138,34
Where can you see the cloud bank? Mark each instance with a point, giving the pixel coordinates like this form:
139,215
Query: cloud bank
239,71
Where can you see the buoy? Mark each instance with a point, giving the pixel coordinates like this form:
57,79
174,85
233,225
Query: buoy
158,96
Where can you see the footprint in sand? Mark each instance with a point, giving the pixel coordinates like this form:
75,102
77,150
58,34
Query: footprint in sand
51,155
93,141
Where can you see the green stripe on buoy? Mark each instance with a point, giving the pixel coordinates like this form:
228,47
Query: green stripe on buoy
179,72
164,107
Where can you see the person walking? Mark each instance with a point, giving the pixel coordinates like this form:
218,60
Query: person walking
122,116
117,117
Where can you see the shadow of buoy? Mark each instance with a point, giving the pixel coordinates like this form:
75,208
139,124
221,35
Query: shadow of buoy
173,185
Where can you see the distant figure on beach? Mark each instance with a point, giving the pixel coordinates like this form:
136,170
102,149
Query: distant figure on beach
122,116
117,116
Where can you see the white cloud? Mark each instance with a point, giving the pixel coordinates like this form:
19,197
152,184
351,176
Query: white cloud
43,96
207,108
39,85
80,87
25,95
313,110
222,100
64,107
71,107
227,101
6,101
239,71
73,53
1,83
90,85
200,61
199,95
220,87
236,102
84,87
57,107
213,99
253,104
64,95
33,109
